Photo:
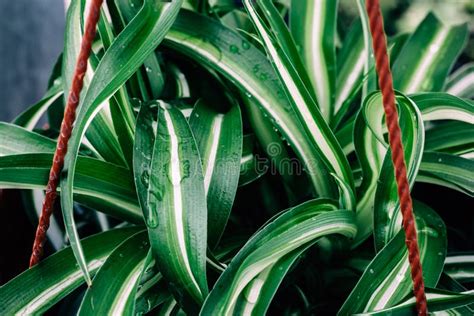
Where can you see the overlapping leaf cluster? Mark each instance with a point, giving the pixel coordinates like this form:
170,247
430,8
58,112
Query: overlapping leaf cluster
241,151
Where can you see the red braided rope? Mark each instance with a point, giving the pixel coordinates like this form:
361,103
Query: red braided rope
396,147
66,129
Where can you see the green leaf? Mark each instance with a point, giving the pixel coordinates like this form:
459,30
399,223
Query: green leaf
121,60
115,284
223,50
371,149
387,215
386,280
251,279
461,82
38,288
98,184
153,288
369,66
219,140
460,266
441,106
18,140
152,69
456,138
169,179
104,186
351,61
121,110
100,134
347,199
448,170
438,301
310,118
280,31
313,25
426,59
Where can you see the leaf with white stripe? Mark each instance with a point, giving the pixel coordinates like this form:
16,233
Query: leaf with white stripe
101,185
456,138
18,140
461,82
460,266
120,61
439,303
250,281
387,215
284,37
100,134
219,140
371,149
351,61
310,118
428,55
369,65
170,184
356,69
115,284
58,275
435,106
449,171
230,54
386,281
313,25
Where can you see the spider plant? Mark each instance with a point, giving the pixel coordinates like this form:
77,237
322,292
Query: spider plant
236,154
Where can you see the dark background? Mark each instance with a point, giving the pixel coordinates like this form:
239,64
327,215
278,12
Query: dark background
31,38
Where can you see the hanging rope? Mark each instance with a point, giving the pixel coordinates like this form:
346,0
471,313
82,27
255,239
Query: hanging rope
396,147
65,132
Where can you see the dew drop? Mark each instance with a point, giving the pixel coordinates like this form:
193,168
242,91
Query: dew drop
430,232
245,45
152,220
157,194
233,49
145,177
186,170
136,103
